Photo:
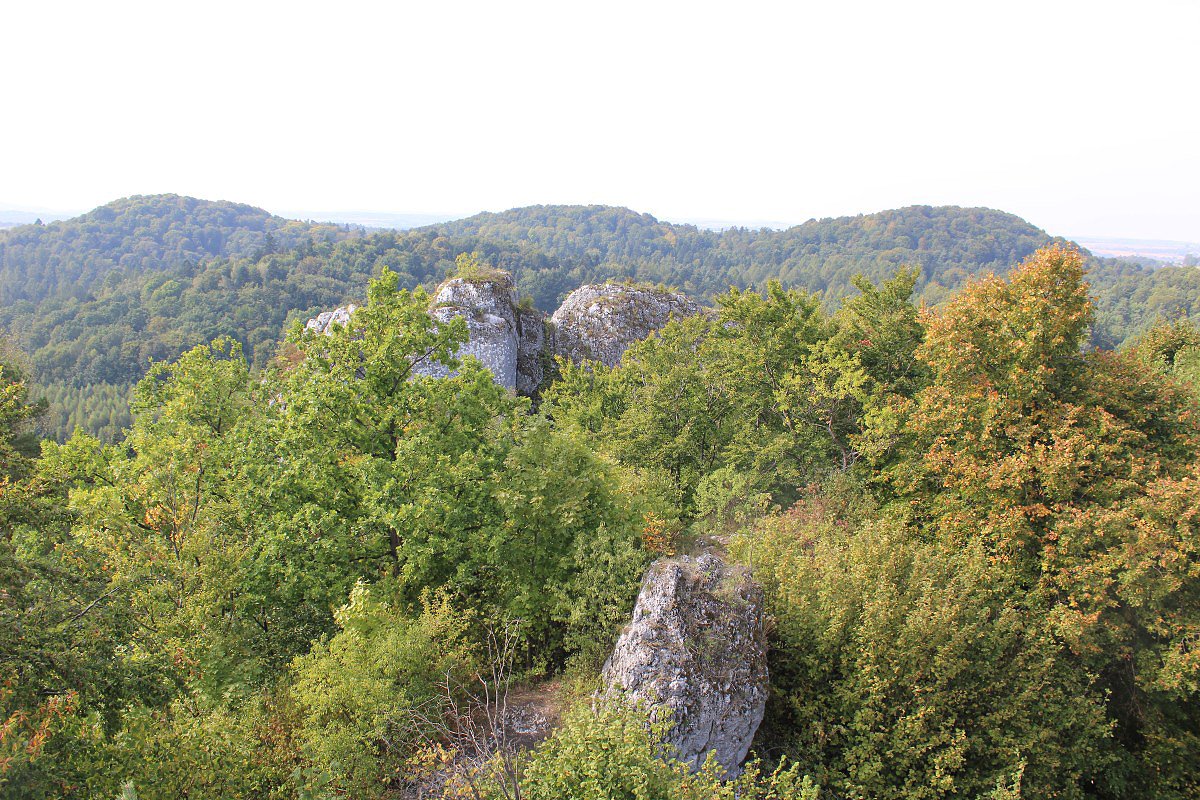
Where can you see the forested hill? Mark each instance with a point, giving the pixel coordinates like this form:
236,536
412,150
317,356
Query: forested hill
93,299
948,243
139,234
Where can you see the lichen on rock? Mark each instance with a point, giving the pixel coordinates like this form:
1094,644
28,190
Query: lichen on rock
490,310
696,650
599,322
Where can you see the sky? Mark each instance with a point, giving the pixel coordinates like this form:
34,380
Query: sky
1082,117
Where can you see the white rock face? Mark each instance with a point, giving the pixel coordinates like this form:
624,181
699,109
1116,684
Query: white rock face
600,321
490,309
324,322
697,647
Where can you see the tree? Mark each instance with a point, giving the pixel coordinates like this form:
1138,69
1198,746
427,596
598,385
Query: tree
883,328
362,691
1063,465
16,447
566,549
1174,349
609,751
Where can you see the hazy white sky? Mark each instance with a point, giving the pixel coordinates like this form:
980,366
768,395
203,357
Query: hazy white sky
1082,117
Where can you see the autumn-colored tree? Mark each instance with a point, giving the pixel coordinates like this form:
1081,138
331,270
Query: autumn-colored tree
1064,463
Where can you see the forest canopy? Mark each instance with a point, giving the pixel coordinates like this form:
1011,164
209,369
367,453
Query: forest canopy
977,536
93,300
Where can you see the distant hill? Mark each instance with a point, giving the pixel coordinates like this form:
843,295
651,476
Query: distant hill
91,320
1163,251
948,243
380,220
92,299
138,234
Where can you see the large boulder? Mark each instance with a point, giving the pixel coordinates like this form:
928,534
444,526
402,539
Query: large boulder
489,306
696,648
599,322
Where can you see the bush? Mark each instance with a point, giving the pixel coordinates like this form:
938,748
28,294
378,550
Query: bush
910,670
358,690
613,752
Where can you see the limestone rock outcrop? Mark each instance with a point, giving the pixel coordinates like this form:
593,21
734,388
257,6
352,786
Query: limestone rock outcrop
324,322
506,338
696,647
596,322
600,321
490,308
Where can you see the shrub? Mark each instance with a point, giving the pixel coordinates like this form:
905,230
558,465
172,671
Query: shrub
359,690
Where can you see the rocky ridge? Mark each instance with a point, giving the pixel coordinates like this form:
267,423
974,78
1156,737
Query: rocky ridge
596,322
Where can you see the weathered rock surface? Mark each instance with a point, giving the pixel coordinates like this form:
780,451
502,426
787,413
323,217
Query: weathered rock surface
600,321
534,339
697,647
324,322
490,309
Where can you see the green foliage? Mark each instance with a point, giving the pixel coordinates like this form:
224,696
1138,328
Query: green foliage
138,234
992,593
883,329
101,409
193,748
178,575
768,396
93,299
905,669
1070,469
154,511
471,268
96,338
612,752
366,694
1174,349
948,244
24,735
564,529
1131,298
15,412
